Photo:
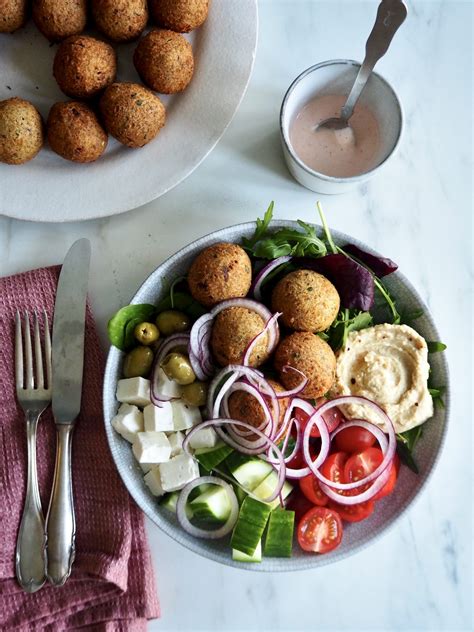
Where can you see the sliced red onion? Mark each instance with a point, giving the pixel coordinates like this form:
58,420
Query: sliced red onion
388,450
297,445
197,367
294,391
199,350
264,272
237,371
216,423
251,390
272,325
170,343
184,521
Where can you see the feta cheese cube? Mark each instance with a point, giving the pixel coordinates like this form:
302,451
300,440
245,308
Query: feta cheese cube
165,386
176,442
153,481
158,417
178,472
205,438
185,416
134,390
128,422
151,447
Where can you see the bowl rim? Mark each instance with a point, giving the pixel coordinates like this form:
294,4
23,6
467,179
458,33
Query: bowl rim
294,156
193,544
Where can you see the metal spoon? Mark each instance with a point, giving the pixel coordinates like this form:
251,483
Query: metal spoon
390,16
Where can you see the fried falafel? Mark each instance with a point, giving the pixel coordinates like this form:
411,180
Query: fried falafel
219,272
179,15
74,132
21,131
311,355
308,301
120,20
233,330
244,407
131,113
58,19
83,66
164,60
13,14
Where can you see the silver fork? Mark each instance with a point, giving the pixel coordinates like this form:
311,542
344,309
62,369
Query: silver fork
34,396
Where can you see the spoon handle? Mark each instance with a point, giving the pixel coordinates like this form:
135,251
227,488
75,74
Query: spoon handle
390,16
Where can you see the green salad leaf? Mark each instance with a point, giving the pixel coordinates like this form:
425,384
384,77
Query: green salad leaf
407,317
346,321
120,327
435,346
406,442
437,393
182,301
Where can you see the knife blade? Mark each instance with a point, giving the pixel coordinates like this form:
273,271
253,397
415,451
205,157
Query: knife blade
67,372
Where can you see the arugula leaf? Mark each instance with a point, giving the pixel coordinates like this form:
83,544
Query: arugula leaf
435,346
407,317
346,321
406,442
120,325
260,230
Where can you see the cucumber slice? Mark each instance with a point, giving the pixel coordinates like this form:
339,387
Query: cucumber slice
248,470
268,486
240,493
169,501
209,458
238,556
250,525
279,540
212,505
197,491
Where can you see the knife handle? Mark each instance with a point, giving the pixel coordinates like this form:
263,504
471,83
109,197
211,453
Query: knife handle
60,521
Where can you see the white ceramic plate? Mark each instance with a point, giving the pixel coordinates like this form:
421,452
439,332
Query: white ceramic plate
357,535
51,189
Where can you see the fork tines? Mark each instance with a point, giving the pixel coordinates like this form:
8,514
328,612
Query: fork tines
26,377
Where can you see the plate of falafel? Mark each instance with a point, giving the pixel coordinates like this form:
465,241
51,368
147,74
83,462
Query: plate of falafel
276,395
105,106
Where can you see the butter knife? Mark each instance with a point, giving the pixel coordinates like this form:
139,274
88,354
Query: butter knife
67,367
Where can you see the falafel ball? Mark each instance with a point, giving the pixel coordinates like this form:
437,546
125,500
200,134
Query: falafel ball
220,272
120,20
13,14
131,113
244,407
233,330
74,132
83,66
309,301
58,19
179,15
311,355
21,131
165,62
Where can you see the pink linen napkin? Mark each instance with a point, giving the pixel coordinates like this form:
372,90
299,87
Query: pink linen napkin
111,587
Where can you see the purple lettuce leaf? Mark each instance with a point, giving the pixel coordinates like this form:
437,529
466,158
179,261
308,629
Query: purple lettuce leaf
380,266
353,282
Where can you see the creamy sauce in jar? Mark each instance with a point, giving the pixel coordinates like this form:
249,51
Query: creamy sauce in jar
338,153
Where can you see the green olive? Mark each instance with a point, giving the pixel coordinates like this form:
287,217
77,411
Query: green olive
138,362
146,333
177,368
171,322
195,394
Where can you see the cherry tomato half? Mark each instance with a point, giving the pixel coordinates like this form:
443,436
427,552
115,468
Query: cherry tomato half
358,466
353,513
320,530
354,439
309,485
332,419
392,479
333,467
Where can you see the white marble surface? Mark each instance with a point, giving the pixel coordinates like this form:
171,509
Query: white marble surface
419,213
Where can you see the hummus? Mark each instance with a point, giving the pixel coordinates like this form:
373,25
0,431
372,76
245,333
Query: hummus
389,365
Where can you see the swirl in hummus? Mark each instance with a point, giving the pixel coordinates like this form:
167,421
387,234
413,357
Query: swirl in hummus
389,365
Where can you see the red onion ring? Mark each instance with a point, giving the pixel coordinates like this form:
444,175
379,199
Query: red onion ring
216,423
294,391
264,272
271,324
253,391
205,533
176,340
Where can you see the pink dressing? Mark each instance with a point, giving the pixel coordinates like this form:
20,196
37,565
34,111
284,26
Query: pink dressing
338,153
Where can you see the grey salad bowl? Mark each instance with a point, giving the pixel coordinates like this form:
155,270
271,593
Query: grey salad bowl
356,535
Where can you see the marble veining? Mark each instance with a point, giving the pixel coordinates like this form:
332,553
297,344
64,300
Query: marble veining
418,211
